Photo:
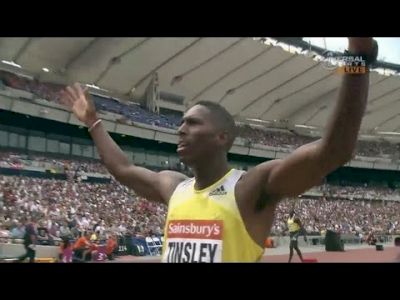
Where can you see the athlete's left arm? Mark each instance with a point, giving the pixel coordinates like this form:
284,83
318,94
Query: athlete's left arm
309,164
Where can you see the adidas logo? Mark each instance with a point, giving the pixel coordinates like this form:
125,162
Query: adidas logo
218,192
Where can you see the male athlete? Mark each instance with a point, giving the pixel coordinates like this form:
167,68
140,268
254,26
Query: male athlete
295,230
223,214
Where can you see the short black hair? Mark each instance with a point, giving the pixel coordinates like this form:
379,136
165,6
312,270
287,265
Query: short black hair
224,118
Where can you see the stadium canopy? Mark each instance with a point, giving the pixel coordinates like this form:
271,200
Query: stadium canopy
255,79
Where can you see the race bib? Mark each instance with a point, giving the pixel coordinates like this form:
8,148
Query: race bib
193,241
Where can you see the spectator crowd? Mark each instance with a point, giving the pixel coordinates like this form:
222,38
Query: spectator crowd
69,208
131,113
358,217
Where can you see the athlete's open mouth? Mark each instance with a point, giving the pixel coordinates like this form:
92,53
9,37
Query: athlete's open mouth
181,146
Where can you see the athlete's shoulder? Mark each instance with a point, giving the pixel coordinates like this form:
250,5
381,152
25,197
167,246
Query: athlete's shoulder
188,182
263,170
238,173
176,176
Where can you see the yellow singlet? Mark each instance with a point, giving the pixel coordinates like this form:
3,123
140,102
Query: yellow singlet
292,225
206,226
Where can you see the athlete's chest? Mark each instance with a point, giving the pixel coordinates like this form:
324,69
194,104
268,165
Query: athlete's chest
197,227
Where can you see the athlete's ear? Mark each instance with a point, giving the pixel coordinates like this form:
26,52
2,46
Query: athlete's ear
223,138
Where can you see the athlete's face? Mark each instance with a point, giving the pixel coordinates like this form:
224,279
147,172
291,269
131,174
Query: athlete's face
199,137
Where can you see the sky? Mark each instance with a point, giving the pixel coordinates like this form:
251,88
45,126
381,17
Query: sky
389,48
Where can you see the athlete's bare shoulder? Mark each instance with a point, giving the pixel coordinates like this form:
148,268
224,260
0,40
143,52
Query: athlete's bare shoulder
251,185
168,181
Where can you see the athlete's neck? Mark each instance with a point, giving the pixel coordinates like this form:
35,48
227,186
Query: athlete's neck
210,172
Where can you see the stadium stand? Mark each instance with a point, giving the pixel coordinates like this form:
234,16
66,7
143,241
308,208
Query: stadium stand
68,208
72,195
134,113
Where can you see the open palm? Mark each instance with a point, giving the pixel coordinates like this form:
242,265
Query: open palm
80,103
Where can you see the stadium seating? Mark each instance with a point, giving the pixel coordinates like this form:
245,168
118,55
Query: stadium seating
135,113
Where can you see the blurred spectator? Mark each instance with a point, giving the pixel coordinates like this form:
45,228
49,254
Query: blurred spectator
18,231
82,247
111,246
43,237
4,234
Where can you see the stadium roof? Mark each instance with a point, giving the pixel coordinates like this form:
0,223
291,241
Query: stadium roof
252,79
